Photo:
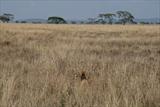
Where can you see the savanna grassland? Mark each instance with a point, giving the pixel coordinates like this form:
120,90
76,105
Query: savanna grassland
41,65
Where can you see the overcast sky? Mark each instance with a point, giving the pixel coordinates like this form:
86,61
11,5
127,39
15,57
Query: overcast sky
78,9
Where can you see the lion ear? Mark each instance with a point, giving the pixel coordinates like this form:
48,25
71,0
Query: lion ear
83,76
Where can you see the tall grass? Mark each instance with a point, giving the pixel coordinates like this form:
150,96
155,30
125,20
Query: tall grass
41,65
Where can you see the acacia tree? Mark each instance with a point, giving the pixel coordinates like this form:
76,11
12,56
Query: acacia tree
56,20
125,17
101,18
4,19
7,17
91,20
109,17
106,18
10,16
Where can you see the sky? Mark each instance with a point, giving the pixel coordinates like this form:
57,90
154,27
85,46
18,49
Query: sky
78,9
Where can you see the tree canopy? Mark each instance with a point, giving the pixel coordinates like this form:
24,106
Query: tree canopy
125,17
6,17
56,20
106,18
10,16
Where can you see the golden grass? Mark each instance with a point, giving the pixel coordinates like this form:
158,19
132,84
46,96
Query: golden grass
38,64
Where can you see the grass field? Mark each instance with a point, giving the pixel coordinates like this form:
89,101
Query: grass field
41,65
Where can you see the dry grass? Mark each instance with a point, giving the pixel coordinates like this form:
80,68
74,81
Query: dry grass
41,65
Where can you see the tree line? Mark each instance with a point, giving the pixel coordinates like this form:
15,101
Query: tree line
120,17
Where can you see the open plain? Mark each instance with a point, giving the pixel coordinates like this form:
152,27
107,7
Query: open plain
42,65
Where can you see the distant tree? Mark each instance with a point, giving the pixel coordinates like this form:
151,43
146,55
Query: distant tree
157,22
7,17
82,22
17,21
109,17
23,21
56,20
91,20
10,16
73,22
144,23
101,19
125,17
106,18
34,22
118,22
4,19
